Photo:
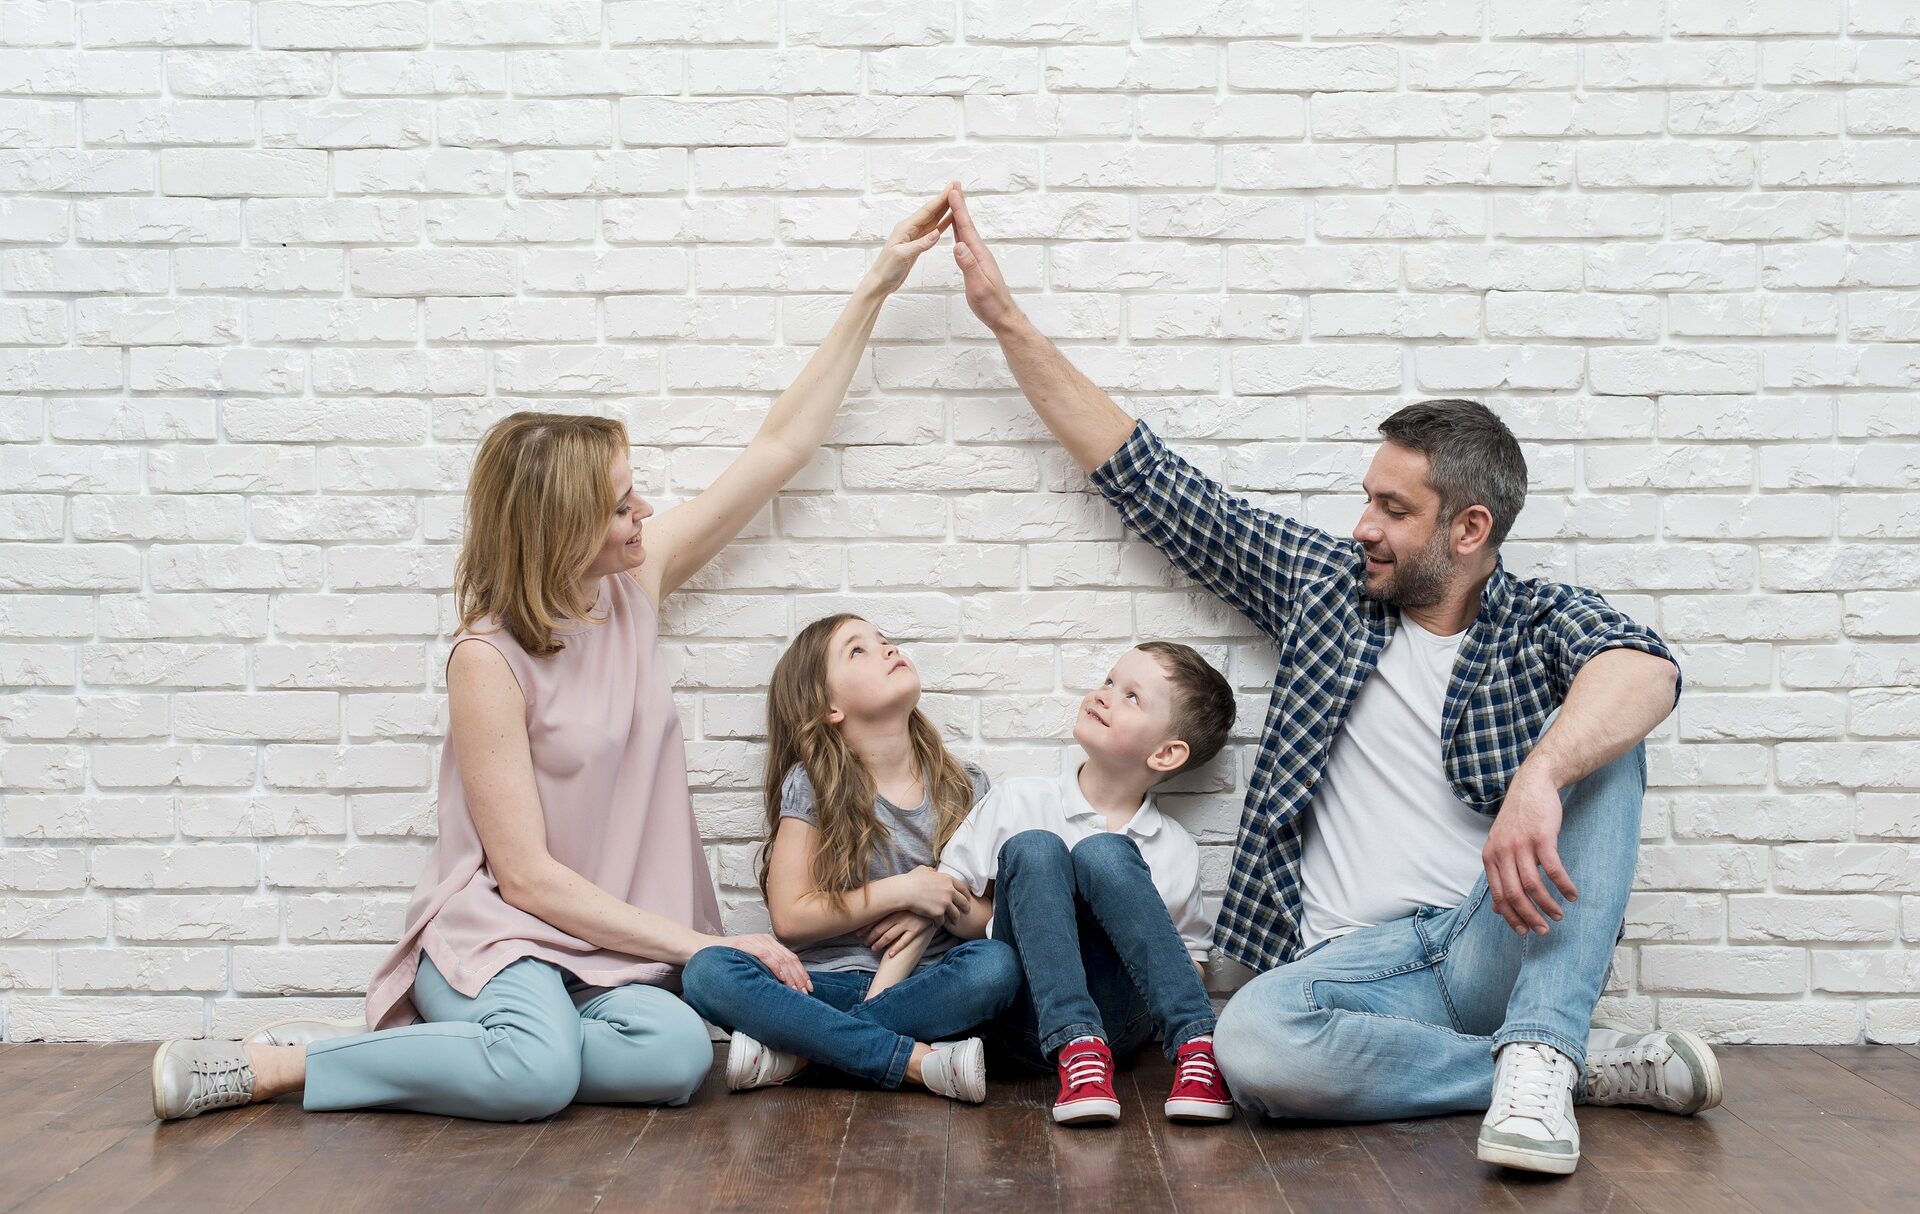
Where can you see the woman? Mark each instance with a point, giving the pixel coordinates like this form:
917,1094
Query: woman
567,885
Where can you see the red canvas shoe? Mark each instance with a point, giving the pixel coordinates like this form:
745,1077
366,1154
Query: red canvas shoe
1086,1085
1199,1094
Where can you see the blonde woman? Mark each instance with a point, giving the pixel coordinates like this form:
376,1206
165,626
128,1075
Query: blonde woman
567,885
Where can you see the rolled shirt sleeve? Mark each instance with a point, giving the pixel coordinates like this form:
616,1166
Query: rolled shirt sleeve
1575,624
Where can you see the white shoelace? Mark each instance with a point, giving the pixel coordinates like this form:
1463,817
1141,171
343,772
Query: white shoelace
1633,1073
1533,1080
1085,1068
219,1084
1197,1068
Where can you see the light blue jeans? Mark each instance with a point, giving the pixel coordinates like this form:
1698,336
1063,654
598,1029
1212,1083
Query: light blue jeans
1403,1019
533,1041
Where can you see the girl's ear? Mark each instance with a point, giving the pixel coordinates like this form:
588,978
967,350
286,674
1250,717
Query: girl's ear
834,715
1169,757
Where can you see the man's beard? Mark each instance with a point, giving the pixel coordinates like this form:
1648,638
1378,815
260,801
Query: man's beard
1420,580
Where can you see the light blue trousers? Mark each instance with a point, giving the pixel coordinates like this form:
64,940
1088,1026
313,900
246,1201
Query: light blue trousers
532,1042
1402,1020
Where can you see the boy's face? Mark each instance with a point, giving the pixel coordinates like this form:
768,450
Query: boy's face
1129,717
867,675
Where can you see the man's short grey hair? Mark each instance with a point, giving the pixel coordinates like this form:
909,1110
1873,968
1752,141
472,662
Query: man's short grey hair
1476,460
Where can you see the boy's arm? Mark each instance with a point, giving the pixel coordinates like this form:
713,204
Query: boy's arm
972,923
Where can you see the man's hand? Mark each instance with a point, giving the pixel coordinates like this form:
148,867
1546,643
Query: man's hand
987,292
1524,840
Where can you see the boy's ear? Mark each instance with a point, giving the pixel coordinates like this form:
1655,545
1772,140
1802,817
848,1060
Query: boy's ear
1169,758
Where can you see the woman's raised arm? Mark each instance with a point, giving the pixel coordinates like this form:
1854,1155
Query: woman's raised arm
686,537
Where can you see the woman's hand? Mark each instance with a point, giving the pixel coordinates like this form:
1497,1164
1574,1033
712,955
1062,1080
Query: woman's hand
910,237
931,894
889,933
775,956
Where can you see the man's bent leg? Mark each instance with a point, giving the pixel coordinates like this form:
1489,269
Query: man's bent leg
1358,1030
1543,988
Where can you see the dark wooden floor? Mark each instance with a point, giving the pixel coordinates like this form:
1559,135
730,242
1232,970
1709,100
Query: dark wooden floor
1834,1130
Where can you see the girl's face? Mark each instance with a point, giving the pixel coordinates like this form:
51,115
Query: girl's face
621,549
1130,715
867,675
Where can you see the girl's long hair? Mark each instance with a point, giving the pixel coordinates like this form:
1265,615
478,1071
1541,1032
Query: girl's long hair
538,503
798,732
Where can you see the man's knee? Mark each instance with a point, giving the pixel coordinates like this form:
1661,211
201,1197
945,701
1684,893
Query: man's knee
1273,1050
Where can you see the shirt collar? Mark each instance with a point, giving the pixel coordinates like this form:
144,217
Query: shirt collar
1144,824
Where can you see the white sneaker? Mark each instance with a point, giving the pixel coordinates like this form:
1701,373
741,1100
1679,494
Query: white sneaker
305,1030
1530,1124
957,1069
1669,1069
753,1065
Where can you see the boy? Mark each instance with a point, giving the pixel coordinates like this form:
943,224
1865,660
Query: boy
1099,892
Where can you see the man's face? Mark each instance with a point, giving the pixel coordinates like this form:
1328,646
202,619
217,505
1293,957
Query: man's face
1409,554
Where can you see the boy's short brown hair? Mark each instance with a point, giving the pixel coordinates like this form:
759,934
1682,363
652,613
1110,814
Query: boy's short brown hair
1203,707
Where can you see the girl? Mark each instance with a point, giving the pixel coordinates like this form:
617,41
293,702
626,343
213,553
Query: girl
861,795
567,884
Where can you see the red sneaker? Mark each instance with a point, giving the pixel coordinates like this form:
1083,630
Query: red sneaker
1086,1085
1199,1094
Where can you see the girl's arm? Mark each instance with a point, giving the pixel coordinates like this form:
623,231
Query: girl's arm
488,730
683,539
803,915
898,962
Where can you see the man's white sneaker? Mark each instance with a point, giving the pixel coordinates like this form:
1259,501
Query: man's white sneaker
1668,1069
1530,1124
753,1065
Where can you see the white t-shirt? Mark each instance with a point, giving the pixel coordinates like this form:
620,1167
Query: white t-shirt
1384,834
1023,803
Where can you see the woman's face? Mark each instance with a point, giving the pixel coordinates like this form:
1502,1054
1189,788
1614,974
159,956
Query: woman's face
867,675
621,549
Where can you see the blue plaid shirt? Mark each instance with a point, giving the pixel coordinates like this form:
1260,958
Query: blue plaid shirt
1302,587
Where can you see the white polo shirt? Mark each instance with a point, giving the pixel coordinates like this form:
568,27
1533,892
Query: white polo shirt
1056,804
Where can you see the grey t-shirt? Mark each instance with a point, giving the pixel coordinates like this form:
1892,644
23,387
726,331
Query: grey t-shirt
908,845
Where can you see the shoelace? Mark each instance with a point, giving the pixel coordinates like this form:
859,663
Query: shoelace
1637,1071
1198,1068
217,1085
1531,1083
1084,1068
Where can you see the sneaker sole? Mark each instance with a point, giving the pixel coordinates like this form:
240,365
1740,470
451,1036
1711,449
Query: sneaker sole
1705,1067
739,1067
1087,1112
1527,1161
1198,1110
159,1099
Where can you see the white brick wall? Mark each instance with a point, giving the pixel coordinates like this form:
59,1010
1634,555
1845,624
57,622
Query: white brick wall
267,270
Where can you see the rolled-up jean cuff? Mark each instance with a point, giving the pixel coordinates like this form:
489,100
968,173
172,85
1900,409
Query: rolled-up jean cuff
1053,1043
896,1072
1508,1034
1199,1028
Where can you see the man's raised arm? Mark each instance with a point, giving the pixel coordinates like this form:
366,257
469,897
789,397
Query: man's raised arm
1084,418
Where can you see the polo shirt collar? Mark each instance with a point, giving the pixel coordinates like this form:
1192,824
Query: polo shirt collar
1144,824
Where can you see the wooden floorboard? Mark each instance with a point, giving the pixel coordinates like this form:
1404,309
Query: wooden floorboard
1831,1130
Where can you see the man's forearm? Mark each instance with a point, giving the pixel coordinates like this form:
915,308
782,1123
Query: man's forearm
1611,705
1084,418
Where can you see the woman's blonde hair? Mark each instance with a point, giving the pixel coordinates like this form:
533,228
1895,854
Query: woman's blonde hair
538,503
798,732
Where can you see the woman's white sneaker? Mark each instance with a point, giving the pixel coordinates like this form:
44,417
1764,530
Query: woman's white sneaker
1530,1123
191,1077
1669,1069
304,1030
750,1064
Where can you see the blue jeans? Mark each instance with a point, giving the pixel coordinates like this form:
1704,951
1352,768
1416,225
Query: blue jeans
1099,950
533,1041
1403,1019
838,1026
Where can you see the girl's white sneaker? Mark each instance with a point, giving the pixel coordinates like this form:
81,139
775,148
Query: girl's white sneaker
753,1065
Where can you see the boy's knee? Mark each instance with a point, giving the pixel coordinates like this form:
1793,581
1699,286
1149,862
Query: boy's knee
1034,850
1101,852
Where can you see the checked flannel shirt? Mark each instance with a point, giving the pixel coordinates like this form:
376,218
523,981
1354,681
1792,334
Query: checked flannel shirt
1301,587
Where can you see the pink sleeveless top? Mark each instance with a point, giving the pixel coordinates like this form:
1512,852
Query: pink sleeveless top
610,765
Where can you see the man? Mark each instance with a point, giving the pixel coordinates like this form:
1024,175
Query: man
1444,740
